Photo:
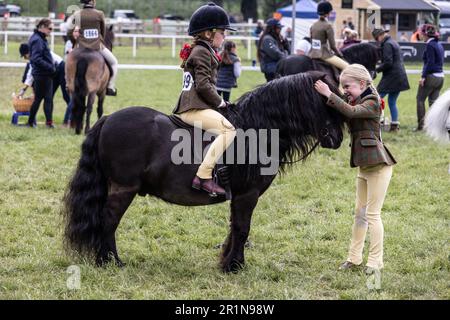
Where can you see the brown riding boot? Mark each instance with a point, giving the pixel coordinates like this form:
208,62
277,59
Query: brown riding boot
209,186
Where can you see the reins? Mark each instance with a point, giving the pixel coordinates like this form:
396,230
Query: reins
302,158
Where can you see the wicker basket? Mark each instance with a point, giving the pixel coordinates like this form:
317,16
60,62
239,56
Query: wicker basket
22,104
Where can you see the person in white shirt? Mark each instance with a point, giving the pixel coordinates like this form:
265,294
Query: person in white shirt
70,43
303,47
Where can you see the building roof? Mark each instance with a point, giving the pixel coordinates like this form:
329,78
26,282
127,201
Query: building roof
407,5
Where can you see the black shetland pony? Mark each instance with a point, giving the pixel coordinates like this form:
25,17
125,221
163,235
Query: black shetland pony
129,153
366,54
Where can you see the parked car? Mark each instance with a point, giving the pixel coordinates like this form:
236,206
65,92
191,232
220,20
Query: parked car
12,9
124,15
170,17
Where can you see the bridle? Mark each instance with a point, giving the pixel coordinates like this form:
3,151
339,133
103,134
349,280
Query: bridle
324,132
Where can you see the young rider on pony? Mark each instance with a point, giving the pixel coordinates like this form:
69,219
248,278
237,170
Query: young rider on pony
199,100
322,36
92,34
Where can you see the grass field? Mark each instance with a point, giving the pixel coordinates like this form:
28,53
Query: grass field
301,226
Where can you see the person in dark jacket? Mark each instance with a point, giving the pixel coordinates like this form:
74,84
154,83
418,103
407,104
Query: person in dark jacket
432,79
43,71
59,80
272,48
229,70
394,79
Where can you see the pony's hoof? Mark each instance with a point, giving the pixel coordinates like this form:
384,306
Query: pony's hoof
120,263
232,267
102,262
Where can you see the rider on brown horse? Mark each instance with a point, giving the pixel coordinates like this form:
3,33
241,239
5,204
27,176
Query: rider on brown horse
92,35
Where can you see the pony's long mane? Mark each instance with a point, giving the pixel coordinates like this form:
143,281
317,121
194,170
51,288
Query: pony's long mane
291,105
366,54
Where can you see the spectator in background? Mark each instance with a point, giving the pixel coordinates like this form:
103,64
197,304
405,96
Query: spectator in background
272,48
5,21
288,35
403,37
70,44
350,38
344,26
432,79
71,41
43,71
303,47
229,70
415,37
394,79
58,78
350,23
64,29
258,31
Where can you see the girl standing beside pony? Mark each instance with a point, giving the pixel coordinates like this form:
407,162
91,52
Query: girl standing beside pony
199,100
230,69
362,107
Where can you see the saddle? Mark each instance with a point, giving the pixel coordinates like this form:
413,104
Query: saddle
221,172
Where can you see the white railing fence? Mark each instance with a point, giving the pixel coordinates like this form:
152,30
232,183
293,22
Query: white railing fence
7,34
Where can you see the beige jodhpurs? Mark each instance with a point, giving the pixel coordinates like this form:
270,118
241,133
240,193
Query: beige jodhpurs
337,62
212,122
371,187
114,66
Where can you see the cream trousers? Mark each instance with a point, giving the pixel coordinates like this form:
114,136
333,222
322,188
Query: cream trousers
337,62
212,122
371,187
114,66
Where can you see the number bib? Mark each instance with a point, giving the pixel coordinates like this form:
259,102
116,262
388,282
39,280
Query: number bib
316,44
188,81
90,34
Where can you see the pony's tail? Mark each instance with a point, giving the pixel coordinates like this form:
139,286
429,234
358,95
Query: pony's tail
80,93
437,119
85,198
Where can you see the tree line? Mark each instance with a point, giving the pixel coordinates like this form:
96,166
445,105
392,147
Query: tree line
148,9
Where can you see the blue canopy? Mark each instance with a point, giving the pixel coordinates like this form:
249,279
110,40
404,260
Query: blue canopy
305,9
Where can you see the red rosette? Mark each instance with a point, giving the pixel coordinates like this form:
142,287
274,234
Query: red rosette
186,51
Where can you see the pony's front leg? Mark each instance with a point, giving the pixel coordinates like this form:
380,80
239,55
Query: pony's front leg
242,206
90,104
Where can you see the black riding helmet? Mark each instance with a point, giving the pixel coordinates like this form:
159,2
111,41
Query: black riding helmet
86,2
324,8
209,17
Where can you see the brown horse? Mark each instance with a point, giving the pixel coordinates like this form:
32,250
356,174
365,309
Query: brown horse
87,76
